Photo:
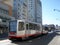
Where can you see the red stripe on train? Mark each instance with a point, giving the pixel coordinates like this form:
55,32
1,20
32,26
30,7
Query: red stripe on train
26,35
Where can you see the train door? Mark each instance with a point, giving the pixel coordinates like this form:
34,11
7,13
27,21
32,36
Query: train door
21,29
12,28
40,28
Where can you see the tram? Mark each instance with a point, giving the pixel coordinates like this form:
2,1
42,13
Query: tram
22,29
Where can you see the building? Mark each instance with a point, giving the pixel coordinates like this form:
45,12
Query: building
50,27
35,11
38,16
30,10
5,16
9,2
20,9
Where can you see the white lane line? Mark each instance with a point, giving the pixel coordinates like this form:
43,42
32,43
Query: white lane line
30,41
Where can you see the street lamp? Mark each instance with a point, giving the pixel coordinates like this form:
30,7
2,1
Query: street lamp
56,10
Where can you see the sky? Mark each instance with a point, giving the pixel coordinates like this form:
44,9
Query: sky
49,16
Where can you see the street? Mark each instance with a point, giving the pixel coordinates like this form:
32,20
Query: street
52,38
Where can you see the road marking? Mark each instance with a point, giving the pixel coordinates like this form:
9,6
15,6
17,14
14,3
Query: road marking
12,44
30,41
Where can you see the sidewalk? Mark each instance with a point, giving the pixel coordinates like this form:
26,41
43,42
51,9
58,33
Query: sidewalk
5,42
56,39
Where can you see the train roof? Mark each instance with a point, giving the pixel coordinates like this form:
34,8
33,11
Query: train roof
27,21
34,22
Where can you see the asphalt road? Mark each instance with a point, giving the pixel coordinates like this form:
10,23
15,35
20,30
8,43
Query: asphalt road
49,39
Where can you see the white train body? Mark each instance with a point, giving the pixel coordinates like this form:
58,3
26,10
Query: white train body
22,29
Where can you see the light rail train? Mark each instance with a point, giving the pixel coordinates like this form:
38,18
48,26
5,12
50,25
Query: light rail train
20,29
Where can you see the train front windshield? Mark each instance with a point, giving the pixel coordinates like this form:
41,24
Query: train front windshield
13,26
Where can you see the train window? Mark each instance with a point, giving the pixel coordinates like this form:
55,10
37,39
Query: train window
13,25
32,26
38,27
21,26
35,27
27,26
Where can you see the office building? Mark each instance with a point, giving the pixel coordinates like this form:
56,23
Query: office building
35,11
5,16
9,2
20,9
30,10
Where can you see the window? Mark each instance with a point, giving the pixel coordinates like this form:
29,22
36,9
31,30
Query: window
38,27
13,25
21,26
24,4
18,13
27,26
4,20
0,10
31,26
18,4
18,8
18,16
3,11
6,12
